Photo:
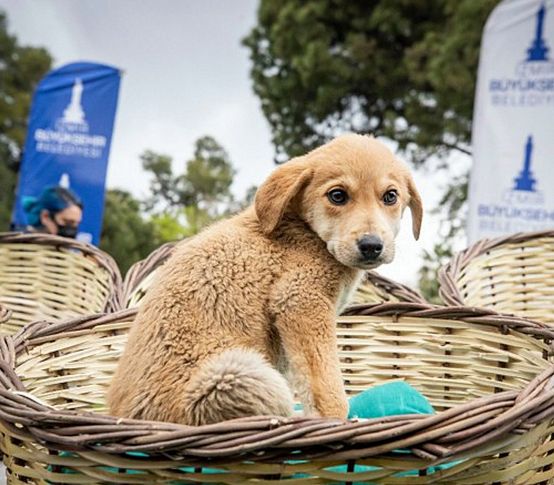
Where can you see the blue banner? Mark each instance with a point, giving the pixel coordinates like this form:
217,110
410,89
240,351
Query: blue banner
69,137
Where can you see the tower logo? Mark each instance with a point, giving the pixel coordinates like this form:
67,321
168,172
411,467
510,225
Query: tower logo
525,180
73,115
525,191
539,50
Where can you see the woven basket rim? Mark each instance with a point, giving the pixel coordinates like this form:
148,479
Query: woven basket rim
141,269
243,439
103,259
448,274
403,292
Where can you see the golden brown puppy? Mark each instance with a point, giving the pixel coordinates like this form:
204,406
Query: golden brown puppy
254,297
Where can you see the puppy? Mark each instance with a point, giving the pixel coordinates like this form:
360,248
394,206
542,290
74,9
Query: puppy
254,297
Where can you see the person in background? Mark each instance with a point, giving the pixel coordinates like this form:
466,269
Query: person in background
56,211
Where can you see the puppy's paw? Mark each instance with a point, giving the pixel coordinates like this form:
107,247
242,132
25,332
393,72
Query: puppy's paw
334,407
340,410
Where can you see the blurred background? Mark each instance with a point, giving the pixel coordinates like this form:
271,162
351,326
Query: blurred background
214,94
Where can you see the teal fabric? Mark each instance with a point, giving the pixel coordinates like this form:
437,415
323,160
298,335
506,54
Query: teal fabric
388,400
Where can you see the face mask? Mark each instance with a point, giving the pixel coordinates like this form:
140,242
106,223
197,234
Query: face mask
66,231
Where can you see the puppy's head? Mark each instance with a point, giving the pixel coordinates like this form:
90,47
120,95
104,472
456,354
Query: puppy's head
351,192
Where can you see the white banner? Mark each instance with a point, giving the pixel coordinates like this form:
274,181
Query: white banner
512,180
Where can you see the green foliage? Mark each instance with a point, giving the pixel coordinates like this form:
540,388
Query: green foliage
21,68
452,206
126,235
185,203
168,228
7,187
432,262
164,186
396,68
180,205
209,174
452,209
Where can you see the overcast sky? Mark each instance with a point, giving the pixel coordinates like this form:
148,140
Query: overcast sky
186,75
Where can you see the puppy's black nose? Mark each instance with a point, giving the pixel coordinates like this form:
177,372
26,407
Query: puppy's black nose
370,247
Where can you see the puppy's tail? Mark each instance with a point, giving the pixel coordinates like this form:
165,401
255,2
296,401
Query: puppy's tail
235,384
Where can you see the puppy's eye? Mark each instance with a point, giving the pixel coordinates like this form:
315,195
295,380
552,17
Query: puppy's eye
390,197
337,196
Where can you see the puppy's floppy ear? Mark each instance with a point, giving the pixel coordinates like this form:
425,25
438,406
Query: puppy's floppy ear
276,193
415,205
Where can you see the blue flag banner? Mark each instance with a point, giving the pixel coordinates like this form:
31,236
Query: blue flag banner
69,137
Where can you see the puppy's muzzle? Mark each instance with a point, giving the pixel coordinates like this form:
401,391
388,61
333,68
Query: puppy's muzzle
370,247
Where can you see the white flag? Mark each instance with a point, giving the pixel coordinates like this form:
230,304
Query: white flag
512,179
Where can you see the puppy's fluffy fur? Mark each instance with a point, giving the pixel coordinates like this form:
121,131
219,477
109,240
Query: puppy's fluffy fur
254,298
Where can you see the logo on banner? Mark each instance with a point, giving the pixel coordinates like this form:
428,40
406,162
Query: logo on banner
71,135
523,204
533,81
74,116
524,190
538,50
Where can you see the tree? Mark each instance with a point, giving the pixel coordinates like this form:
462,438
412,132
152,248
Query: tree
21,68
126,235
401,69
179,205
209,174
169,228
452,209
199,195
396,68
165,189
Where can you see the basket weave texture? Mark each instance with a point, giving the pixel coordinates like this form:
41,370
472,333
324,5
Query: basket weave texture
54,278
513,274
140,275
378,289
487,375
5,314
374,289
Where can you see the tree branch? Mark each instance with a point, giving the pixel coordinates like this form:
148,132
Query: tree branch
454,146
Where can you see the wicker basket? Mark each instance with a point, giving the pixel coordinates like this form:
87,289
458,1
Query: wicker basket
140,276
513,274
487,375
375,289
5,314
378,289
54,278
